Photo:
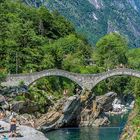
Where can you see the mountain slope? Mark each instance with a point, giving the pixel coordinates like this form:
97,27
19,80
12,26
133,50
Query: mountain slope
95,18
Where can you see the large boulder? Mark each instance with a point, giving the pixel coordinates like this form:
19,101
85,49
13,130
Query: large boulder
105,101
61,115
101,121
92,113
49,120
24,107
28,133
3,103
2,99
14,91
71,110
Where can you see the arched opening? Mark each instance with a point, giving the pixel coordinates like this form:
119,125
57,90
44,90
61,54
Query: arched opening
118,84
117,108
123,85
115,72
48,91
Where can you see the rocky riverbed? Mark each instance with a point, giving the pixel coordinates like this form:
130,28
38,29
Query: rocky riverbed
119,106
78,110
85,110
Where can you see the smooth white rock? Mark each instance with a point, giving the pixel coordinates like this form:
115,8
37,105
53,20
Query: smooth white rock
28,133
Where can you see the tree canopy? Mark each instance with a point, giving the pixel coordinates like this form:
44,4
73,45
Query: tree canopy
35,39
111,51
24,31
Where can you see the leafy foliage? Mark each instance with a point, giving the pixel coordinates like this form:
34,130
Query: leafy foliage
24,31
2,75
36,39
111,51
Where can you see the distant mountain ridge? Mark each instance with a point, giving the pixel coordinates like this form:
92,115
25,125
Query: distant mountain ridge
95,18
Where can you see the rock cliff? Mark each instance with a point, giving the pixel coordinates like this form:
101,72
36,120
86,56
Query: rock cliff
84,110
132,128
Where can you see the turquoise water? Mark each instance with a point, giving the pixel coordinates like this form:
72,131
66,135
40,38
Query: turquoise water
85,133
111,132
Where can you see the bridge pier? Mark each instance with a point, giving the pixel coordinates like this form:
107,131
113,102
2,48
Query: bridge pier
86,96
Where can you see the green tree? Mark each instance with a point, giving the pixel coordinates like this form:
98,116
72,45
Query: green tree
134,58
111,51
69,52
2,75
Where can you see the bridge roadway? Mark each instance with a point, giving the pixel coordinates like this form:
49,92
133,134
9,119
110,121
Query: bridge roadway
85,81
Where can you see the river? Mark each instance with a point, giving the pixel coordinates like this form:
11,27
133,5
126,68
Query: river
111,132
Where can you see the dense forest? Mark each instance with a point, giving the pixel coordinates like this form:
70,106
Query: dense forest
97,18
36,39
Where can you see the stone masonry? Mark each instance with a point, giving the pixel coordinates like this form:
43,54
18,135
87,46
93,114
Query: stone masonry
85,81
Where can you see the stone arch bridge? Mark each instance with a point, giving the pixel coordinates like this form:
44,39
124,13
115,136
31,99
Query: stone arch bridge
85,81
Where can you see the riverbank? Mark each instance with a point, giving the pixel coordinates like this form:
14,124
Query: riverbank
86,110
27,133
132,128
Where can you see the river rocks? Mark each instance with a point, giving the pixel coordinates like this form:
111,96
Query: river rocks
71,105
122,105
52,111
131,131
101,121
24,107
70,112
85,110
118,106
60,115
14,91
93,112
106,100
28,133
49,120
74,112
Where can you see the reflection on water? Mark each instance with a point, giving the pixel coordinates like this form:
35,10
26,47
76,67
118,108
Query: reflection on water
85,133
118,120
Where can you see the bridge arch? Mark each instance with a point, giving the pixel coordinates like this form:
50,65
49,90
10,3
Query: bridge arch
59,75
28,79
85,81
115,72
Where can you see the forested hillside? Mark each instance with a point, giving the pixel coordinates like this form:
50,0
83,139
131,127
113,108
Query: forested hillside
35,39
94,19
28,38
